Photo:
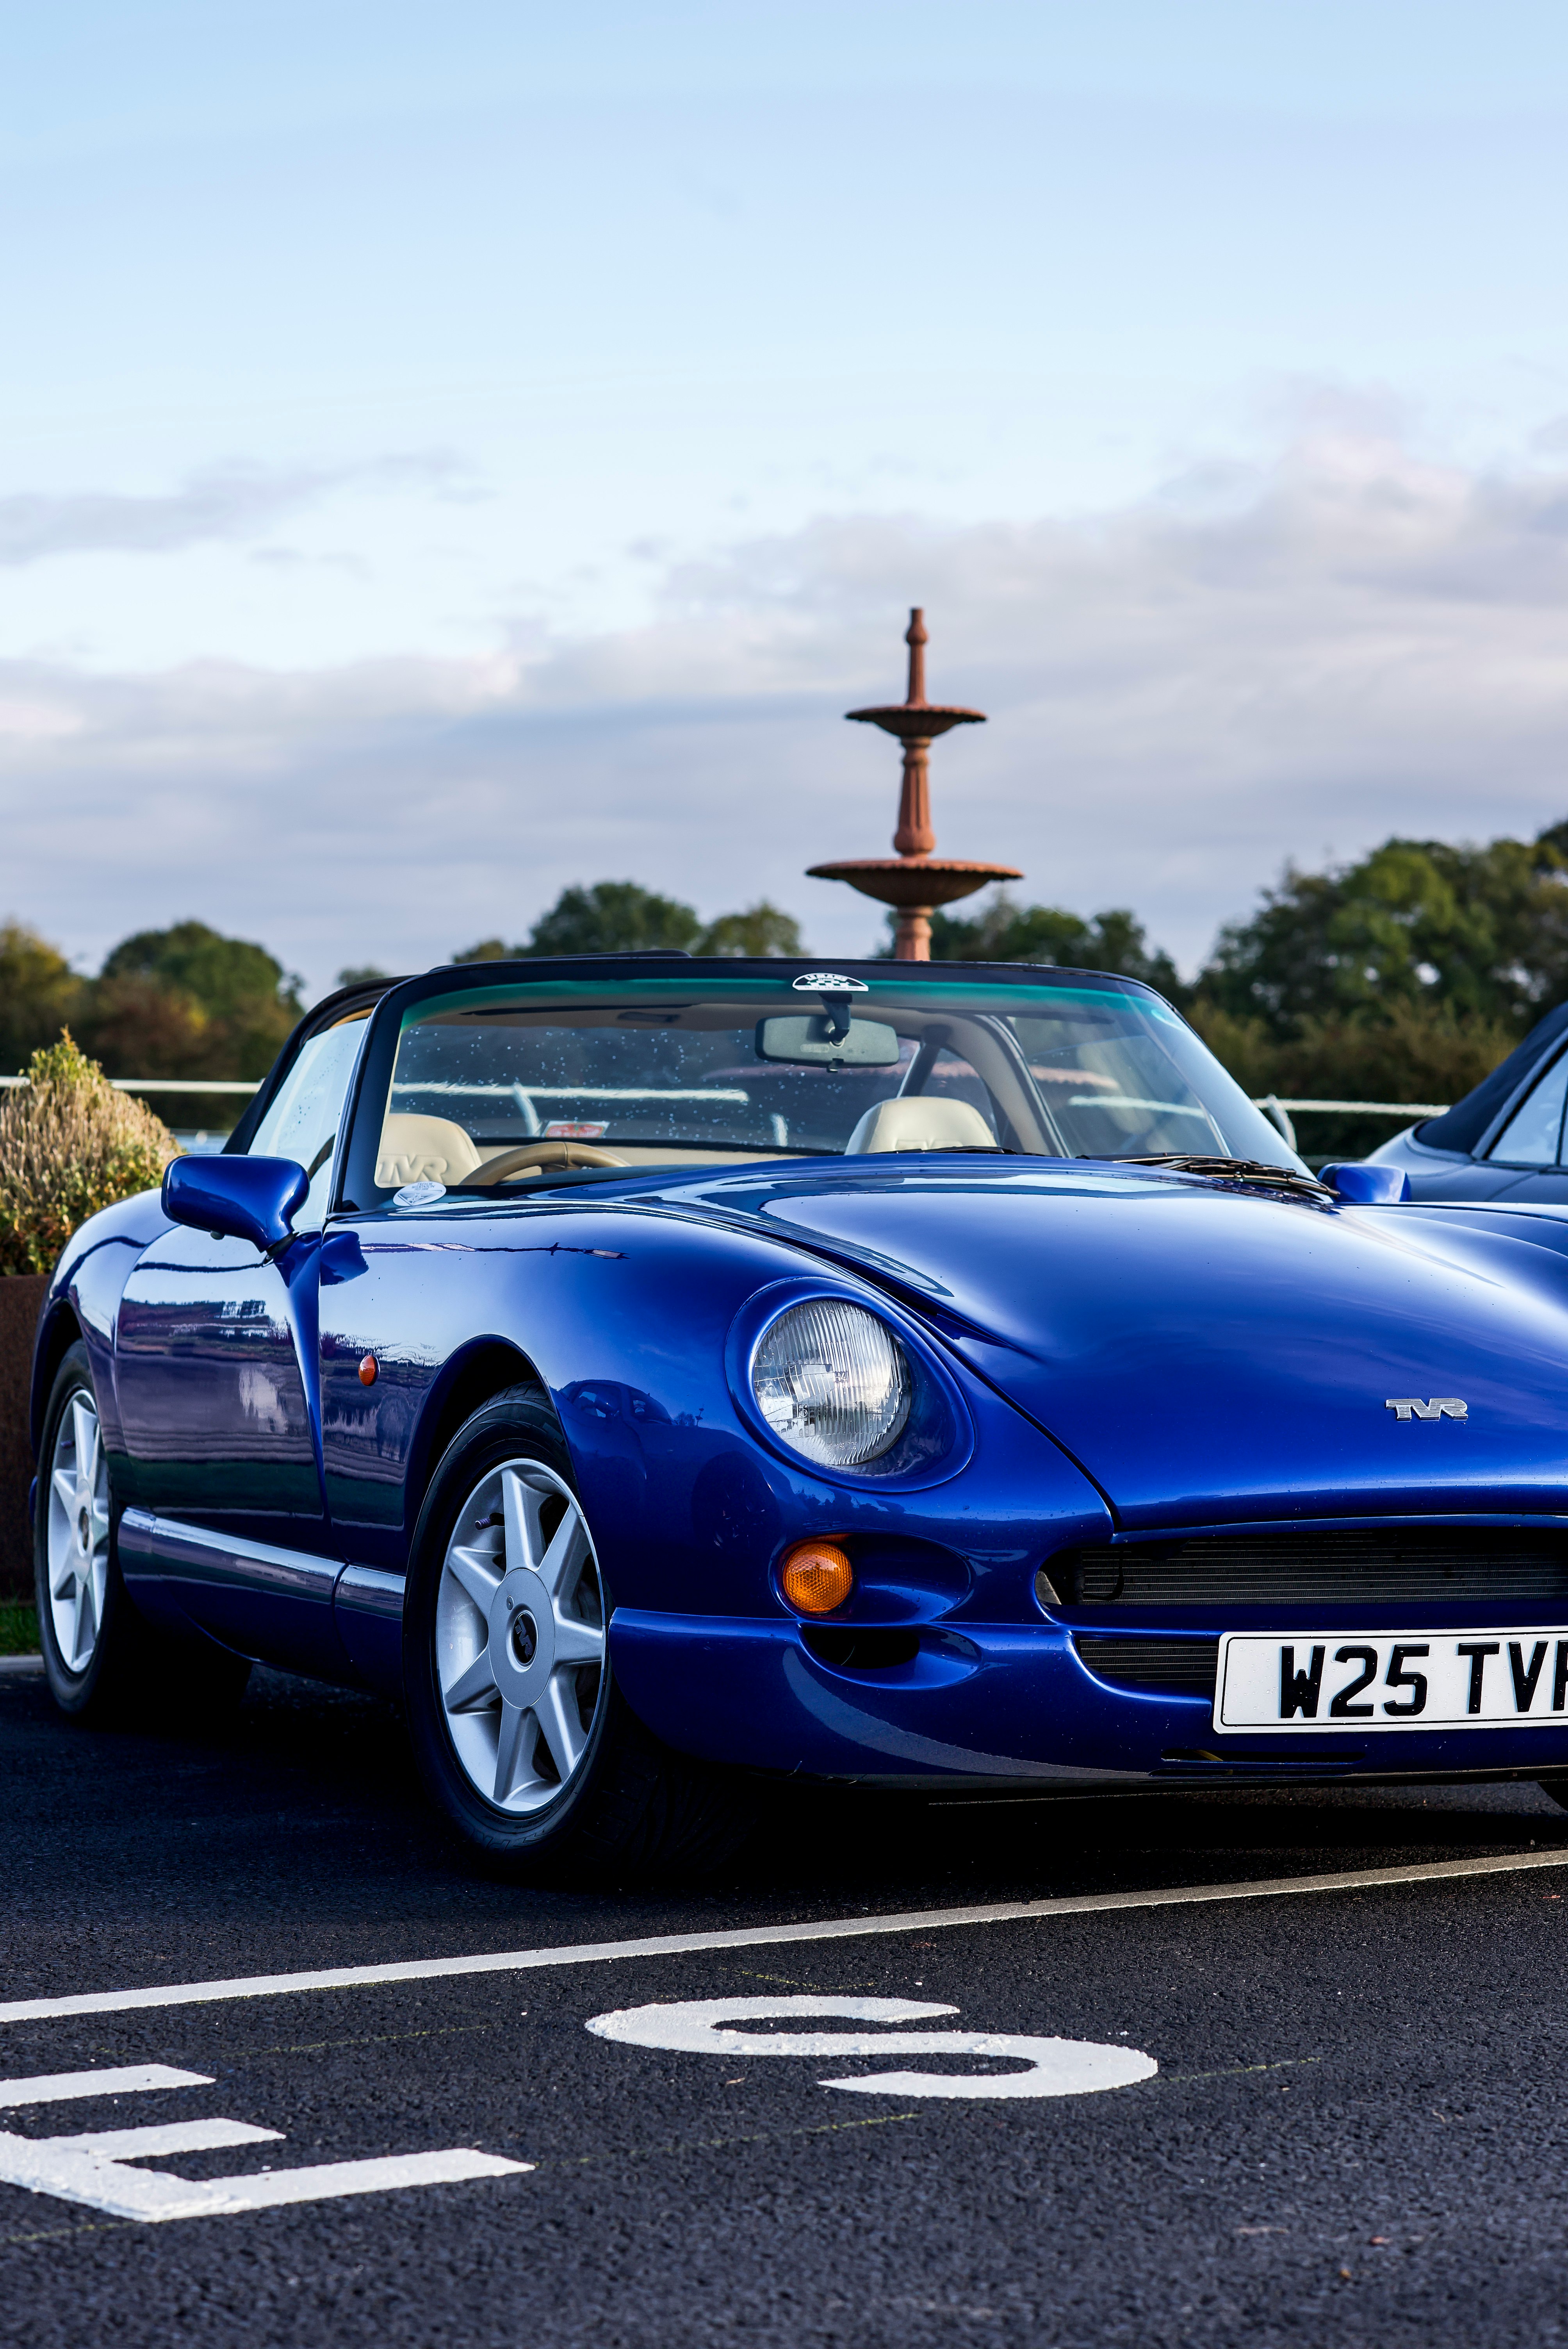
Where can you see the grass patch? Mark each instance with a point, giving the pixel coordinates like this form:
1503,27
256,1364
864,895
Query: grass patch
18,1627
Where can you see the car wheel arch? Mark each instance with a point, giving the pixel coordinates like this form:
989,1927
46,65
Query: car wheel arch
59,1333
488,1368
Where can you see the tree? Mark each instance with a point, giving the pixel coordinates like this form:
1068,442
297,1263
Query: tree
761,929
602,917
361,973
622,918
1406,975
39,994
1004,931
189,1002
139,1028
1481,932
225,975
612,917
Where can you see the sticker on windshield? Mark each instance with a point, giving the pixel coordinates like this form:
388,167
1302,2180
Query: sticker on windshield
828,982
418,1194
580,1129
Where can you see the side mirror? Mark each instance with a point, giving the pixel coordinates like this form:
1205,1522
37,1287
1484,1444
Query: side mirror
236,1198
1367,1186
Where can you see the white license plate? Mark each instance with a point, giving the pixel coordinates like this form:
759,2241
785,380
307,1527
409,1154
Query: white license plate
1361,1680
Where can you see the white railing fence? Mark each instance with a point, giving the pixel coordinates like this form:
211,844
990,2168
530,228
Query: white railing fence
1278,1111
173,1084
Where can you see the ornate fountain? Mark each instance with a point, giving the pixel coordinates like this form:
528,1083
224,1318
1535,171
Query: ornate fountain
915,880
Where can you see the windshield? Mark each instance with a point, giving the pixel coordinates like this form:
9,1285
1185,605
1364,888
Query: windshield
510,1084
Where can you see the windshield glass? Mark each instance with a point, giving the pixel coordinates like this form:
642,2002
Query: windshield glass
511,1083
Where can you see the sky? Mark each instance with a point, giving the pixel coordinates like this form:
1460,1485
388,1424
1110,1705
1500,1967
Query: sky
446,455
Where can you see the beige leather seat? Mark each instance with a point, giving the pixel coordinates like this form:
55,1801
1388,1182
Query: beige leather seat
914,1123
422,1150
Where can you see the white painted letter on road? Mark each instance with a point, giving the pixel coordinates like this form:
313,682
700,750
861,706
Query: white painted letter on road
1056,2068
93,2165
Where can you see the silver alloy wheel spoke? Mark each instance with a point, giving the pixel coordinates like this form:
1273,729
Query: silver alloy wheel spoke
473,1690
560,1729
476,1574
520,1636
524,1506
77,1533
564,1552
577,1643
508,1751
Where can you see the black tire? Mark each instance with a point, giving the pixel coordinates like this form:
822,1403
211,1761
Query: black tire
131,1669
630,1805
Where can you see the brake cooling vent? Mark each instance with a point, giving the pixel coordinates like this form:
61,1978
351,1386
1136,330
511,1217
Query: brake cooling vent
1366,1568
1163,1667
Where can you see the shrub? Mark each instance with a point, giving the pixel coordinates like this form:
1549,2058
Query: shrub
69,1144
1417,1051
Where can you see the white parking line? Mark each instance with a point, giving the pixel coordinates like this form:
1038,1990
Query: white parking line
753,1937
52,2087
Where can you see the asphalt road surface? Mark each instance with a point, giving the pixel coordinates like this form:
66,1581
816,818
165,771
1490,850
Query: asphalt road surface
1341,2115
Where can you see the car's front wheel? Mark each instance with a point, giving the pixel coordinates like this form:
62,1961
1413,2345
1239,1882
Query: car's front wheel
518,1729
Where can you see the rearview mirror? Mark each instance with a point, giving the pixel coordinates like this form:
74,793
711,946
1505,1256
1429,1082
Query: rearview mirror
236,1198
828,1038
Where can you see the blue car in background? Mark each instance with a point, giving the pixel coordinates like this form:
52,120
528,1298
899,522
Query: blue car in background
1505,1140
664,1375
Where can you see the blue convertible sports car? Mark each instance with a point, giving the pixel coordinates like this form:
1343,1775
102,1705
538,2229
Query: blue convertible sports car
663,1371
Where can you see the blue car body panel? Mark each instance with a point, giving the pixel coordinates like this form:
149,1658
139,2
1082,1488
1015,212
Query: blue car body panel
1111,1354
1204,1356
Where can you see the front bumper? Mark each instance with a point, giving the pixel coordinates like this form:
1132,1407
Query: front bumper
989,1706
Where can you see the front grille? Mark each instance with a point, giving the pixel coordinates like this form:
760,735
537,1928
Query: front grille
1290,1569
1174,1667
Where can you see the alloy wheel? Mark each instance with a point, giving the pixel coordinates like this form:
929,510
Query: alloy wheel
520,1636
78,1532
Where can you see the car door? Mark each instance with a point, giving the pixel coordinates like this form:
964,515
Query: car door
217,1377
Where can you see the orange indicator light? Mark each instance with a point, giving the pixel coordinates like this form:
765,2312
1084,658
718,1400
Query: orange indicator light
367,1369
816,1576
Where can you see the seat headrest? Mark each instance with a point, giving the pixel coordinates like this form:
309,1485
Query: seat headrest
916,1122
422,1150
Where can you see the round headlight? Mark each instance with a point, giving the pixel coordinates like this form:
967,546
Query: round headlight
832,1383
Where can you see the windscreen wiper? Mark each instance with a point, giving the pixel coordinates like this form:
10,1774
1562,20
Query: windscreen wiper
1241,1170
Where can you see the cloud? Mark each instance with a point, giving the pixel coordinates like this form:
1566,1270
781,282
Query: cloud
225,502
1353,642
